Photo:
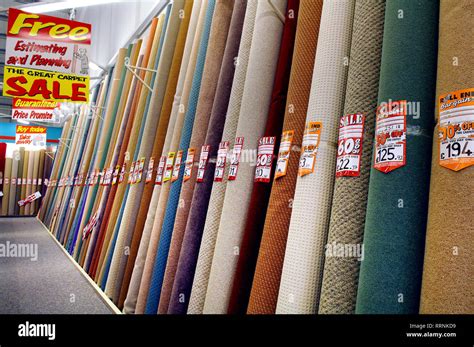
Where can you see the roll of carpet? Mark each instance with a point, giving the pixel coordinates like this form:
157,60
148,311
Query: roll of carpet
391,269
216,200
13,180
29,180
256,101
155,235
447,286
210,78
261,189
264,293
6,179
304,256
200,199
39,179
173,199
131,290
24,178
153,120
34,179
3,152
346,227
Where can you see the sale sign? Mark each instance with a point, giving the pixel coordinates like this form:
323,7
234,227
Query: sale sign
46,58
30,135
34,110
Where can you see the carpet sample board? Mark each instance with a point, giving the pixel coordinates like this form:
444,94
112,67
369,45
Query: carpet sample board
448,269
173,199
137,271
253,115
304,255
264,293
186,264
257,209
346,227
212,67
390,272
216,200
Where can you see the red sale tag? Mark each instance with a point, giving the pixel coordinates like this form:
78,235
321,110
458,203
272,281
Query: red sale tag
177,166
390,136
160,170
203,163
235,159
149,173
263,171
349,150
221,160
188,168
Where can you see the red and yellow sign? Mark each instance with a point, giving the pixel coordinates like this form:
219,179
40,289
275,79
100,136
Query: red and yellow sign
34,110
46,58
30,135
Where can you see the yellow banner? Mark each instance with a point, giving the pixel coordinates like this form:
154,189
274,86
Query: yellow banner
45,85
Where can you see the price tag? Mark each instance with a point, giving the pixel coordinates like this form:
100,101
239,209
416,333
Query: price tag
349,148
7,181
310,145
177,166
141,166
456,129
203,163
115,176
160,170
23,181
188,168
284,153
221,160
131,173
263,171
149,173
169,167
235,159
122,173
390,136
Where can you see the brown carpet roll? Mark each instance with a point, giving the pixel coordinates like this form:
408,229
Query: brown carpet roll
447,286
264,294
215,53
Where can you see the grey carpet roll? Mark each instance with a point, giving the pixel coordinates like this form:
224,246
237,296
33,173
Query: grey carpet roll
448,268
216,201
304,256
253,114
341,274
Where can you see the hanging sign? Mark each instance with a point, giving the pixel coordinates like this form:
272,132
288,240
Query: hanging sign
263,171
390,136
46,58
30,135
34,110
349,148
456,129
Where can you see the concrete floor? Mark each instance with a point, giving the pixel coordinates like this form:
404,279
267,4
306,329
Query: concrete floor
49,285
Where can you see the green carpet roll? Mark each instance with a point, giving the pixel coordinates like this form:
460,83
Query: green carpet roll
390,274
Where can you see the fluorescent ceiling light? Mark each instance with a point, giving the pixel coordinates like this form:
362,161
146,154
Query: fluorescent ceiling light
64,5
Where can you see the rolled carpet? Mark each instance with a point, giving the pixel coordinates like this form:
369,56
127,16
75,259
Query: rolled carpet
447,286
212,67
166,179
3,152
261,190
395,225
130,301
23,186
173,199
304,256
6,178
346,227
181,288
264,293
256,101
13,181
216,200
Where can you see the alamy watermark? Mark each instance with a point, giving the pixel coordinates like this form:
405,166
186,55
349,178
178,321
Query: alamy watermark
19,250
345,250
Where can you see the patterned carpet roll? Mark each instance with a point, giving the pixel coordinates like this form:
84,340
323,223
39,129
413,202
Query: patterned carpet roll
304,256
257,210
341,274
448,270
390,272
253,115
264,294
183,279
216,200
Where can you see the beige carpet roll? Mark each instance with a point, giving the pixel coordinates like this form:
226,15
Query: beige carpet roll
6,185
253,115
304,256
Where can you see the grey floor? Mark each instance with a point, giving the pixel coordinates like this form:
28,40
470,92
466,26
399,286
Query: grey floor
50,285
